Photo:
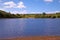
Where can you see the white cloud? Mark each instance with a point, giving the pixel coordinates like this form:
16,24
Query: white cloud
35,12
10,4
21,5
24,11
48,0
2,9
13,6
52,12
19,12
57,11
14,12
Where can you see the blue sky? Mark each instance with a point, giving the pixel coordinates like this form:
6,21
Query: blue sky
30,6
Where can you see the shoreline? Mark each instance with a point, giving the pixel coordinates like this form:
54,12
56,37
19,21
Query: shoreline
34,38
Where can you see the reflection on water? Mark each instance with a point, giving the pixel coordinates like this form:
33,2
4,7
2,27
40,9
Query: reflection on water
11,27
29,27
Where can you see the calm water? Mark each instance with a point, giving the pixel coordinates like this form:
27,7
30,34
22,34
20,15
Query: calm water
29,27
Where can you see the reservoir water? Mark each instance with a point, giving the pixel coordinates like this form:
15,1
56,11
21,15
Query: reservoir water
29,27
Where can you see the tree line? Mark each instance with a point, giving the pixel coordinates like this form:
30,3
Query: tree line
4,14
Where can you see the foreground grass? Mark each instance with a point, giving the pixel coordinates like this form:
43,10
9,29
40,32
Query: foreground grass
35,38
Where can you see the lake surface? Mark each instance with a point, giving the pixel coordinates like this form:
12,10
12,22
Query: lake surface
29,27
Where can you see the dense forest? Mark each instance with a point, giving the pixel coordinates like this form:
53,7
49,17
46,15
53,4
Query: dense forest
4,14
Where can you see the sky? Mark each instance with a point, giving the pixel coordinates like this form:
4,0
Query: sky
30,6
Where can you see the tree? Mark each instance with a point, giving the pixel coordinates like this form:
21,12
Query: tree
44,13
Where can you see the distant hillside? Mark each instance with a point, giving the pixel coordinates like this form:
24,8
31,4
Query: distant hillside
4,14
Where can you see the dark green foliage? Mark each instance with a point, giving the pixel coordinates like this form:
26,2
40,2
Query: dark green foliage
53,16
49,16
4,14
58,16
44,13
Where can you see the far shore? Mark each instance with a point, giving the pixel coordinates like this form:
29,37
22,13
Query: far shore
34,38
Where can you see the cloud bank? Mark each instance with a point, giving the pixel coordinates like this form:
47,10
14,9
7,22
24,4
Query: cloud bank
48,0
11,4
